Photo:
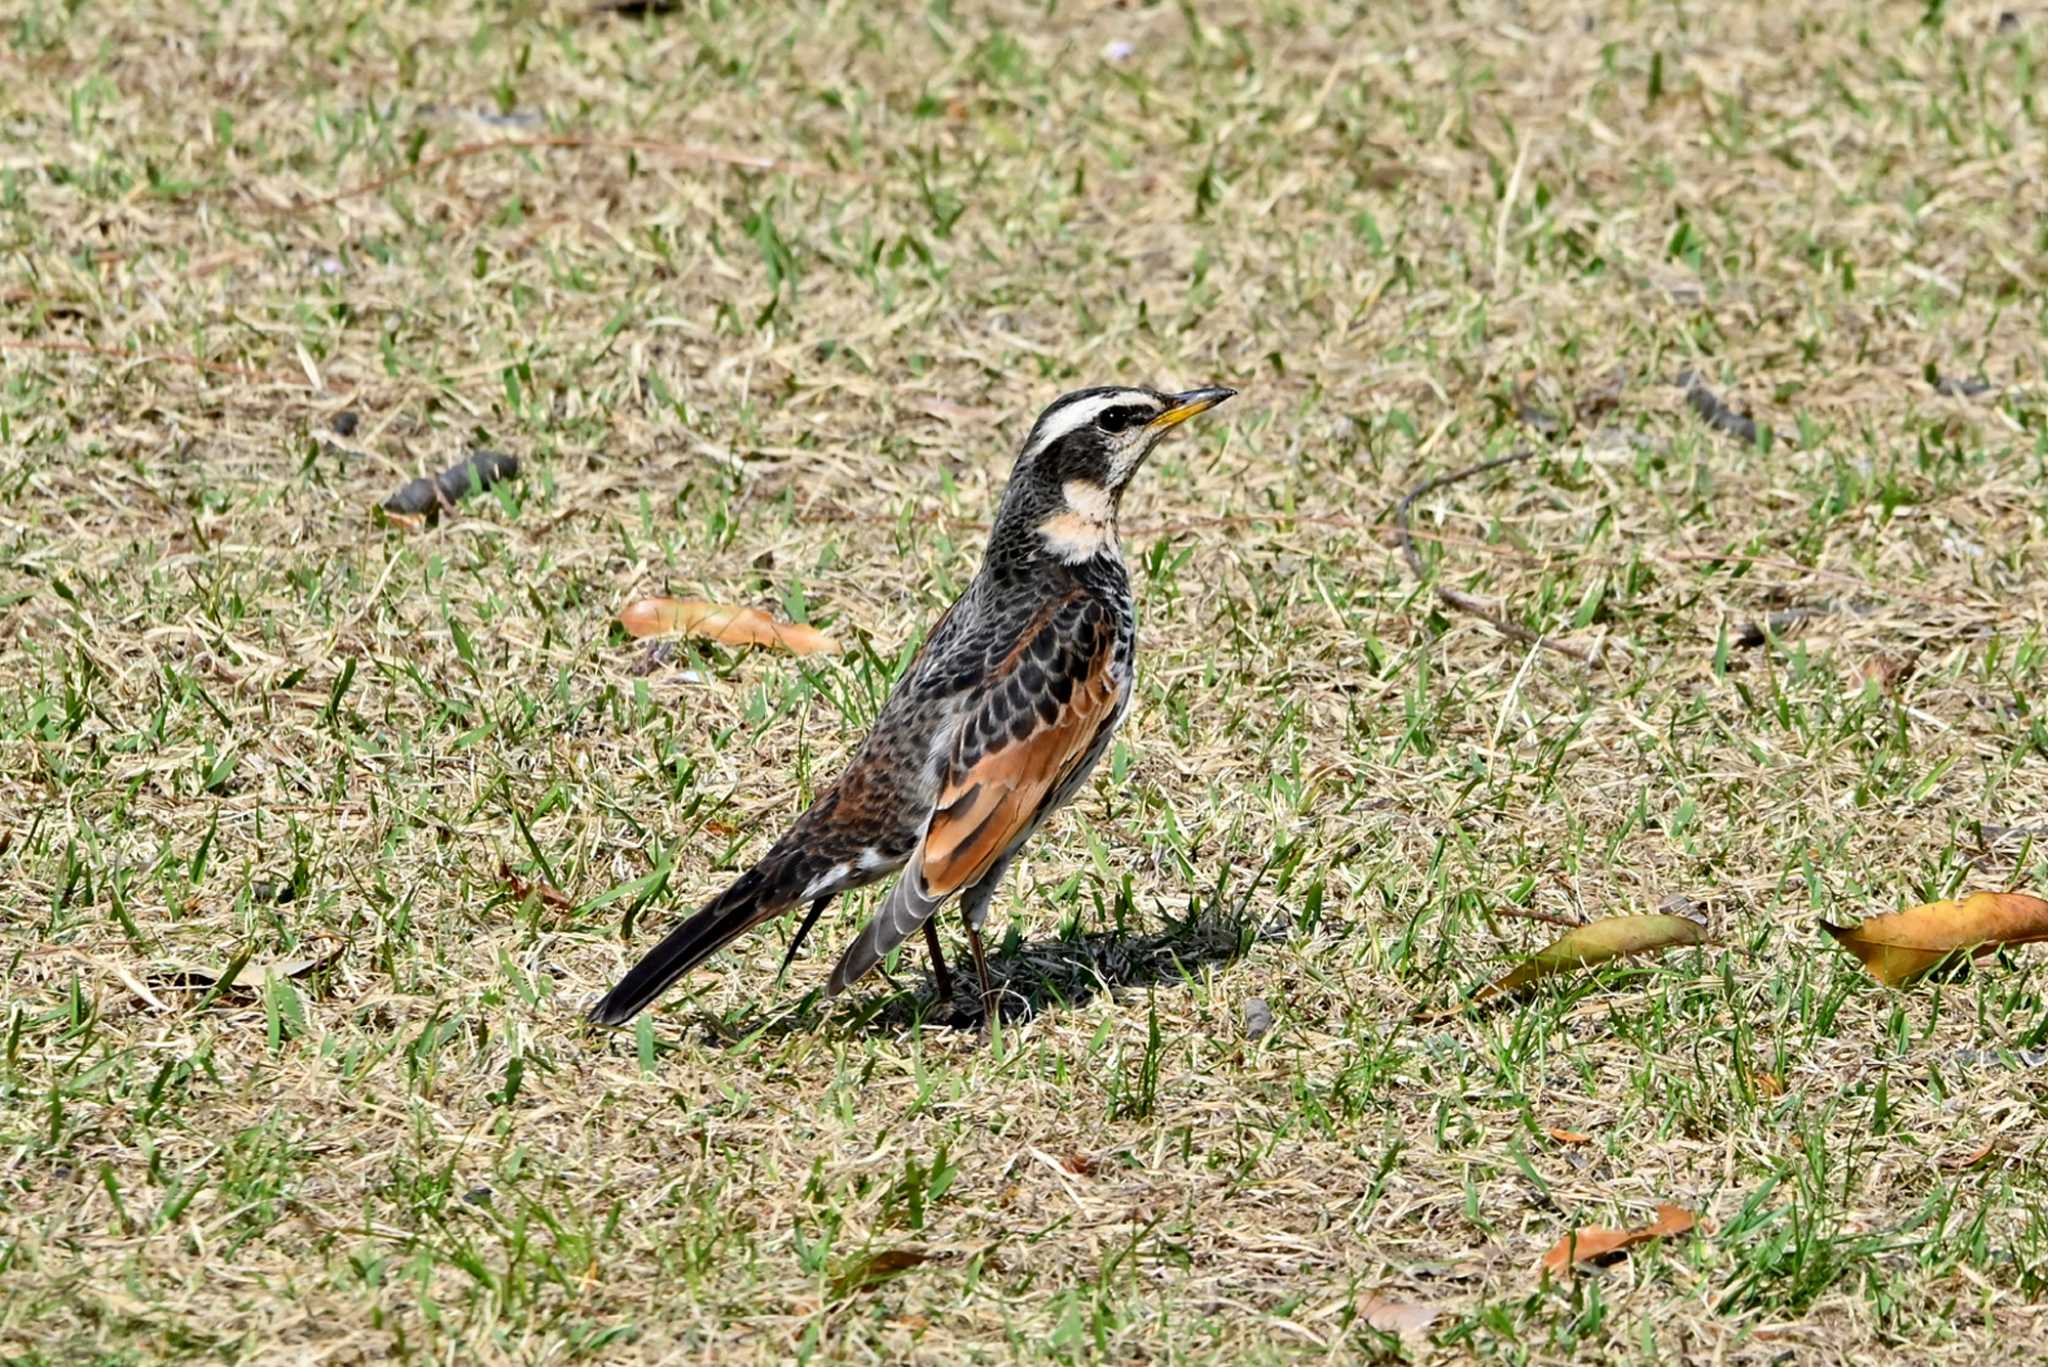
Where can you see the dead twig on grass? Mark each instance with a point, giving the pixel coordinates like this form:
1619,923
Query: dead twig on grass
421,501
1465,602
1755,633
1714,410
158,358
682,151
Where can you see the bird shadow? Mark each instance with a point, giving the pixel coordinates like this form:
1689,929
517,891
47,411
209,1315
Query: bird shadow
1059,973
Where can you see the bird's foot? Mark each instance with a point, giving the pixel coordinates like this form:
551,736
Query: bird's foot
954,1014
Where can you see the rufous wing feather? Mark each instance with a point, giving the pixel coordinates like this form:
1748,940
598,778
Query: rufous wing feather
985,810
1034,723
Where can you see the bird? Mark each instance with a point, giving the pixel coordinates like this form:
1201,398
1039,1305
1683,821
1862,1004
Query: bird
992,727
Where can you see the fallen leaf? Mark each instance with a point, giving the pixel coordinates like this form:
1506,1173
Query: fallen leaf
1901,945
1405,1319
727,625
1971,1160
1888,671
1585,1245
249,974
1589,944
1567,1136
872,1269
521,889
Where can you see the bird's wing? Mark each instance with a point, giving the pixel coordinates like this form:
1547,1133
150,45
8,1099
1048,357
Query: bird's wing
1031,724
1031,729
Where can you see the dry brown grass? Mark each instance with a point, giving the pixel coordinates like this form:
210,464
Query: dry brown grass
1413,242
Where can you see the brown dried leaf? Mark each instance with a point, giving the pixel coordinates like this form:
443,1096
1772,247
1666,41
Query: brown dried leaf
1592,1242
872,1269
1408,1319
726,625
1889,671
1901,945
521,889
1971,1160
1567,1136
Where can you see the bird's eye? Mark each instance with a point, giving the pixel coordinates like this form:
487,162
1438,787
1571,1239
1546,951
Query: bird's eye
1120,418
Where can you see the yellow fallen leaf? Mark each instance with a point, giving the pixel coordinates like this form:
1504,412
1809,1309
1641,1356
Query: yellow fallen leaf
726,625
1587,945
1584,1245
1901,945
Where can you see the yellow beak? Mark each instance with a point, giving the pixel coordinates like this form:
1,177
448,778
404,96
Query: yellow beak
1187,405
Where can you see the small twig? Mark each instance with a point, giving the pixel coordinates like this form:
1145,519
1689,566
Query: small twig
1465,602
1507,211
157,357
682,150
1989,832
424,499
1714,411
1755,633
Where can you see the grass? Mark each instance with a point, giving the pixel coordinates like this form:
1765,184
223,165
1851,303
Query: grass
258,273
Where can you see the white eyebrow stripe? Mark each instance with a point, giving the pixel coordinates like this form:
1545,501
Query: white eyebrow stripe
1080,412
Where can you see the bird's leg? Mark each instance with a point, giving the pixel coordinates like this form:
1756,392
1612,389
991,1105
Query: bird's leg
796,941
943,978
988,992
973,911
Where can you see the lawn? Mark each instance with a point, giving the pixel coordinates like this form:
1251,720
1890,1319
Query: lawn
763,298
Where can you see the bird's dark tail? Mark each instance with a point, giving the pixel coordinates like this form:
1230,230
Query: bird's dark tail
761,892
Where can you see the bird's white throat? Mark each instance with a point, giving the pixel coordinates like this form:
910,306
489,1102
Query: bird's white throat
1086,527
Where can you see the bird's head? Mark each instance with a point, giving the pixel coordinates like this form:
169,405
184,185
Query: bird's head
1082,454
